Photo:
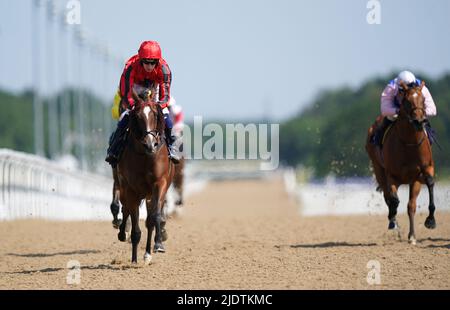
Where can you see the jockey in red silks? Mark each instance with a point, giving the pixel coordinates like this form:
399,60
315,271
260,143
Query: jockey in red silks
390,105
144,69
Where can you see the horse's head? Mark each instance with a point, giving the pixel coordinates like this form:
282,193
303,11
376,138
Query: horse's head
412,105
146,123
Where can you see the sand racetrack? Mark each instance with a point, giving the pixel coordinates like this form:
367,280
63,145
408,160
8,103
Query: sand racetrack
232,235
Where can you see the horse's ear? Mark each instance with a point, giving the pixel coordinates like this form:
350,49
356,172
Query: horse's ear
403,85
422,85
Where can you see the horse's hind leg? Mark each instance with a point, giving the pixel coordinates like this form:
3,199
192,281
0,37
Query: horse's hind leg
178,182
164,234
392,201
157,218
156,213
414,190
430,222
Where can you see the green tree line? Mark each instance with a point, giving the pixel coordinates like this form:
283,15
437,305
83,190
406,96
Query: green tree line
17,127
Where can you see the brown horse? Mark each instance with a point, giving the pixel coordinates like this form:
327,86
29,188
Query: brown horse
405,158
144,172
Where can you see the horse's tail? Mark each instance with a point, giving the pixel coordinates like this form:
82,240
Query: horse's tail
375,156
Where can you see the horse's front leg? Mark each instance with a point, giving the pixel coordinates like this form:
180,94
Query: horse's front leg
122,236
115,206
414,190
135,233
150,226
391,199
157,216
430,222
131,204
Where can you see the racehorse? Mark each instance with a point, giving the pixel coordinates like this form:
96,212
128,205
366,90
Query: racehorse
144,172
405,158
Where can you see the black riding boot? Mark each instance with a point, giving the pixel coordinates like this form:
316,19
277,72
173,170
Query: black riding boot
117,142
170,139
431,133
379,132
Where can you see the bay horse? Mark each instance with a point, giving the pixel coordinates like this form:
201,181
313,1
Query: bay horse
144,172
405,158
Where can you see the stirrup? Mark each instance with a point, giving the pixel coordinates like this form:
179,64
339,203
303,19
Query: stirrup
175,158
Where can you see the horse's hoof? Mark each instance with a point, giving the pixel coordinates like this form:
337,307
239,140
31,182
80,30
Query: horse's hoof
164,235
430,223
147,258
412,241
122,236
116,223
159,248
392,225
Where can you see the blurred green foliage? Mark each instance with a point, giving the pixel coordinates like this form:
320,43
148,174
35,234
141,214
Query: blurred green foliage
16,118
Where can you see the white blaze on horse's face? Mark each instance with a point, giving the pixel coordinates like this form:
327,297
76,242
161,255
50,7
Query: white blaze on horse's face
147,112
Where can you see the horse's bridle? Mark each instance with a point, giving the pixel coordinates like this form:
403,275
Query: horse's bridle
411,110
413,121
154,133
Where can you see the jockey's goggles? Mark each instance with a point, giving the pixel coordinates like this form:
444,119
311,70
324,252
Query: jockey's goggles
410,85
150,61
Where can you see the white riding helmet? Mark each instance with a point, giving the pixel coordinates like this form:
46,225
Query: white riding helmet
407,77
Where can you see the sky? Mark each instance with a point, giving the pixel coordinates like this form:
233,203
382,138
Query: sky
231,59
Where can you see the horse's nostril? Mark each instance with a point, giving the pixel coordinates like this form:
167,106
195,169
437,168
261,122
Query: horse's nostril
148,146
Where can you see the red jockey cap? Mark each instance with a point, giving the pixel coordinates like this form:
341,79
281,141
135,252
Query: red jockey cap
150,50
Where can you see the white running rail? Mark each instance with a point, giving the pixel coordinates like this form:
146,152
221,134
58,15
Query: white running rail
34,187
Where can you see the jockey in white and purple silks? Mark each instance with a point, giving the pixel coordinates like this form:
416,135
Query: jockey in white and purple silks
390,107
